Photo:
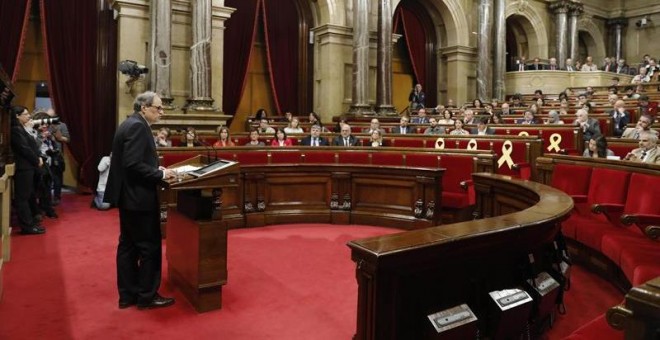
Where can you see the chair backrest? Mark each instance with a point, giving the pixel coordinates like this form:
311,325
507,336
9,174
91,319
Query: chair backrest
608,186
643,195
572,179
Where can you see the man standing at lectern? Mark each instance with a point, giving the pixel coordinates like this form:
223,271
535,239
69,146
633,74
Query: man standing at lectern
132,186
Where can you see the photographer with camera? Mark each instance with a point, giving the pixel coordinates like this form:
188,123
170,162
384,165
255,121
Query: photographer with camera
417,98
50,154
60,132
26,156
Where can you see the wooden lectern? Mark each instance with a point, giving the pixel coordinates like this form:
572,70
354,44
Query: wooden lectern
196,231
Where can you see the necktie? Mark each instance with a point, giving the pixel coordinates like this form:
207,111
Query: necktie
643,155
345,141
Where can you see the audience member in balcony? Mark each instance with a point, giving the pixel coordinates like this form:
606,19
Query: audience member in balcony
482,128
620,118
293,127
536,65
597,148
646,107
446,118
528,118
643,125
417,98
630,93
162,138
495,119
622,67
608,65
434,128
190,138
553,118
569,65
458,129
376,139
589,65
476,104
520,64
552,66
505,110
224,140
648,151
589,126
265,128
578,65
280,139
345,137
403,127
314,138
468,117
640,77
374,125
421,117
104,170
254,139
261,114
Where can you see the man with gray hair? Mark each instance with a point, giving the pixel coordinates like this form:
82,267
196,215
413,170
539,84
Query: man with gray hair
648,151
589,126
133,188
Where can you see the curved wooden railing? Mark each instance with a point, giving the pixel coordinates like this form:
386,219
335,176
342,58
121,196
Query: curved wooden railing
404,277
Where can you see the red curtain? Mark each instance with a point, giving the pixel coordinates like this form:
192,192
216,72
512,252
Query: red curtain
412,21
239,38
281,28
70,30
14,17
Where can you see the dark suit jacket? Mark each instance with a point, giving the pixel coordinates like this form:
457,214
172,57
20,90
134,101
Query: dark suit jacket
307,141
592,129
134,175
535,67
409,130
620,122
25,149
339,141
623,70
489,131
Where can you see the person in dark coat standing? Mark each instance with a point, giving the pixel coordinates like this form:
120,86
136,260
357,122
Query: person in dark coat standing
132,187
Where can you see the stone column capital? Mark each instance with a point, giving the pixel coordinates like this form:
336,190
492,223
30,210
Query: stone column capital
575,8
621,22
560,6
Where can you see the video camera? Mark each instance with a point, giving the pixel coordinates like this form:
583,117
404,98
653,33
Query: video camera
46,121
132,68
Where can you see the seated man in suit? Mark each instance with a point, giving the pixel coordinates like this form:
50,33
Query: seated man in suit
314,139
482,128
345,138
643,124
553,65
620,117
622,67
403,127
528,118
421,117
648,151
374,125
536,65
590,126
646,107
468,117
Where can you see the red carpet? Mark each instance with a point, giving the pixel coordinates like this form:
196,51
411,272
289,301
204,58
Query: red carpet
285,282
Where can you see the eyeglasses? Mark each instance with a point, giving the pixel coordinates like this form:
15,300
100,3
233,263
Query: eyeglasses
158,108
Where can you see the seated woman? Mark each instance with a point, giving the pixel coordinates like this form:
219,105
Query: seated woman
190,138
446,118
294,126
315,119
261,114
476,104
254,139
496,118
458,129
553,118
281,139
162,138
376,139
223,138
597,148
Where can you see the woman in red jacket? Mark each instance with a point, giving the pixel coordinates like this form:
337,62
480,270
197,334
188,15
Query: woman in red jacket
281,139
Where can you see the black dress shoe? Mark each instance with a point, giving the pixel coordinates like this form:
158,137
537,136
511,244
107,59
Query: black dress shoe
37,218
125,304
157,302
56,201
51,214
34,230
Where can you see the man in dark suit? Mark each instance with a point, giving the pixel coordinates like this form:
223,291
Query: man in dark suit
403,127
314,139
28,162
622,67
132,186
482,128
536,65
345,138
590,126
620,118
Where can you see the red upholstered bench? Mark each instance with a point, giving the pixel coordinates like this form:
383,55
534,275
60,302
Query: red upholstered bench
251,158
319,157
381,158
358,157
456,182
286,157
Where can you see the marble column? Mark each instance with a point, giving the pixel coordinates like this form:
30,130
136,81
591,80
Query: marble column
484,43
617,26
360,100
200,57
499,62
384,60
575,9
560,8
160,53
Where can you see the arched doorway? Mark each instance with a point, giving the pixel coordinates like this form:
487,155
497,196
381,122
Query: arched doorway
414,58
268,60
517,45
